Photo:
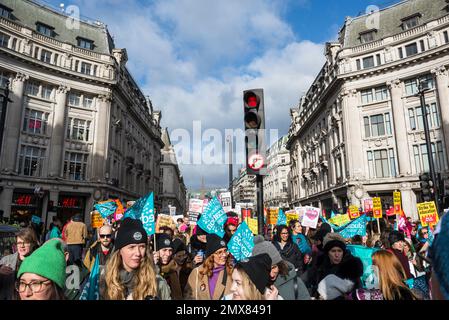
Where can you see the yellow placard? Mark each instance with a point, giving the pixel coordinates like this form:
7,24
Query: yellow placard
354,212
428,213
164,220
291,215
397,202
252,225
340,219
96,220
272,216
377,208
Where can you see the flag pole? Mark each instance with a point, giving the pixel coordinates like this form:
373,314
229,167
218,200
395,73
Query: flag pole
378,226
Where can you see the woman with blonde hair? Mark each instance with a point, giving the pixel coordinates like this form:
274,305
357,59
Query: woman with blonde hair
391,277
212,280
130,272
250,280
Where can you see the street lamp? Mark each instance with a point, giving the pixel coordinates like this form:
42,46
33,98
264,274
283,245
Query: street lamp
229,140
423,87
5,100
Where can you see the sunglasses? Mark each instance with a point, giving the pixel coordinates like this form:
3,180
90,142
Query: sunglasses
105,236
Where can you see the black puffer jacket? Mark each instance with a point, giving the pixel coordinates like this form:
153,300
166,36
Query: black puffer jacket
292,254
350,268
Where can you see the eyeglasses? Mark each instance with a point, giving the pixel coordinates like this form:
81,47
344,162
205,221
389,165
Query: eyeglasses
23,244
284,233
105,236
35,286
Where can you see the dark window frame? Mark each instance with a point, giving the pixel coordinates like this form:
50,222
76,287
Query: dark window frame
46,26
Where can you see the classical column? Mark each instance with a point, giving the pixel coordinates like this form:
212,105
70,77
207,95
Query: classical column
100,150
409,201
13,123
6,200
58,133
441,75
352,135
400,128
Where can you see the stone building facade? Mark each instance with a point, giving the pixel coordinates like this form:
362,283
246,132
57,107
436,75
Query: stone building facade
275,183
244,188
358,131
78,129
173,190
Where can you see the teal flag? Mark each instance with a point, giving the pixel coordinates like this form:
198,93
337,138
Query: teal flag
242,242
368,278
106,209
282,219
91,289
143,210
213,218
332,214
350,229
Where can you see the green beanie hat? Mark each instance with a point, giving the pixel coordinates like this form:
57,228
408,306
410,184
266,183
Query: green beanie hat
48,261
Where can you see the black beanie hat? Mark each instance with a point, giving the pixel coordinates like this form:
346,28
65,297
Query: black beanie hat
199,231
163,241
178,245
395,236
213,244
131,231
258,269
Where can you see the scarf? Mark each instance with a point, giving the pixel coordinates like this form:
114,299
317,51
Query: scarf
213,279
127,280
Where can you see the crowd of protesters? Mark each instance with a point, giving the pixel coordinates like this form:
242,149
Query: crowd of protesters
288,262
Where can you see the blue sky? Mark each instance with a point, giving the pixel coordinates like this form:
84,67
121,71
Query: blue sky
195,57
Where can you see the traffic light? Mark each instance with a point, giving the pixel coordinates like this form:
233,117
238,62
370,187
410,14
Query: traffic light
254,132
427,190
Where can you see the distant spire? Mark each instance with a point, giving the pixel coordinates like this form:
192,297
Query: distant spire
203,189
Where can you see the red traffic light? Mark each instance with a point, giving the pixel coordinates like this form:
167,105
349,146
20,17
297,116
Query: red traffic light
251,100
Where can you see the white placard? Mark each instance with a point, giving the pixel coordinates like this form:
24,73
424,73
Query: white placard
310,217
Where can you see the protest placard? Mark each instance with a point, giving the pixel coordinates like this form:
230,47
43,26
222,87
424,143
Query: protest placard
96,220
193,217
291,215
340,219
164,220
354,212
241,243
368,205
213,218
377,208
252,224
225,199
35,219
272,215
196,205
310,218
397,202
428,213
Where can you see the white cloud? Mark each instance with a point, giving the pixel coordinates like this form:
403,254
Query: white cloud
194,59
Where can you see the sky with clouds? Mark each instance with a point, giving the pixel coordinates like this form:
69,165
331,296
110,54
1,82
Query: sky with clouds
194,58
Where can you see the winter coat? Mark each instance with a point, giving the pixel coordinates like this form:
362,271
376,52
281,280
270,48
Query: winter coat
230,297
194,246
55,233
169,273
197,287
91,255
76,233
291,287
350,268
163,290
292,254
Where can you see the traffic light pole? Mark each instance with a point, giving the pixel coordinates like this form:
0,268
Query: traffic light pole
259,186
436,194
